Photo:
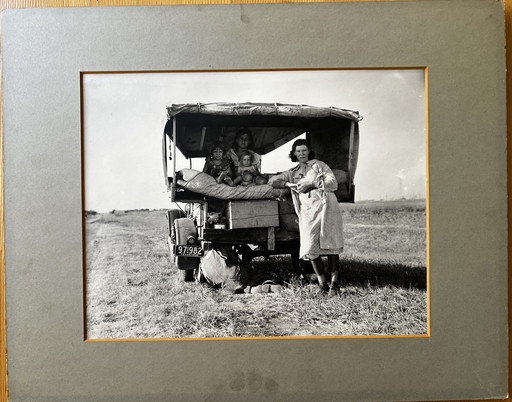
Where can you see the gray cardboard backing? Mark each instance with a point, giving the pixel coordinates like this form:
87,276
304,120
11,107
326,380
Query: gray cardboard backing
462,44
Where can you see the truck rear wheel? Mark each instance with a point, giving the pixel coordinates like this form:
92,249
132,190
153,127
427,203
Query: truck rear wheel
172,215
186,265
187,275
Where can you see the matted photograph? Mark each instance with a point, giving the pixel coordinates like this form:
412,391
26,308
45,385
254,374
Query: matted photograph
255,204
293,194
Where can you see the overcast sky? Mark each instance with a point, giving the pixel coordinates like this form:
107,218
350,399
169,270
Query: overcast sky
124,117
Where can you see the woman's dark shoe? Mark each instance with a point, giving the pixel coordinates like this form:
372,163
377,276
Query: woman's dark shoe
239,290
334,290
324,289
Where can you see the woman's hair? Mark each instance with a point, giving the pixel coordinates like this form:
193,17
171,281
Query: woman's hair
215,145
246,153
238,134
298,142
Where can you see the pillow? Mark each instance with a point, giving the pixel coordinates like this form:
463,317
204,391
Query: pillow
340,175
187,174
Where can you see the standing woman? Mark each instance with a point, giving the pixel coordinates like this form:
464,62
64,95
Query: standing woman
320,221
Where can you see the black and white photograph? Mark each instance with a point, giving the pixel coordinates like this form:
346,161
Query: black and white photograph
255,204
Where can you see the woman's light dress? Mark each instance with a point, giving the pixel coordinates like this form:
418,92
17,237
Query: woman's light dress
320,219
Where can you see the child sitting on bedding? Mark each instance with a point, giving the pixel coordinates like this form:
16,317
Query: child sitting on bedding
246,172
243,144
218,165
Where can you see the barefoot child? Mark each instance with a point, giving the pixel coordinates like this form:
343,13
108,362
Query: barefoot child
246,172
242,145
217,165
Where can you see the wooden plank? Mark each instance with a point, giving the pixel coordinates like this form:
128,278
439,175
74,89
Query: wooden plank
252,214
271,243
249,236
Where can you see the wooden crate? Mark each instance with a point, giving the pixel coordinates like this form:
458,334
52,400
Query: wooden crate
252,214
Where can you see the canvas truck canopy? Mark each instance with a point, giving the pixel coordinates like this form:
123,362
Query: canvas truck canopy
333,132
272,125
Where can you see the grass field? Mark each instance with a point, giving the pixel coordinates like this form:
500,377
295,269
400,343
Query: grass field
133,291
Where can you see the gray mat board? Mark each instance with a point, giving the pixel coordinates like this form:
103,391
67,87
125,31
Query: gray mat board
43,52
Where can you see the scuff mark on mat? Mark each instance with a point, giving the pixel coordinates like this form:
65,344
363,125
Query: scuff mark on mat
243,15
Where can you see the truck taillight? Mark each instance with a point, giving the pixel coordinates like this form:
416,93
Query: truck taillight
191,240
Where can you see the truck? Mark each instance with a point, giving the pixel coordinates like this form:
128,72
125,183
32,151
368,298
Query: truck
255,220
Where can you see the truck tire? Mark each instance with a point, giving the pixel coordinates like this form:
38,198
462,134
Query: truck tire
186,265
172,215
187,275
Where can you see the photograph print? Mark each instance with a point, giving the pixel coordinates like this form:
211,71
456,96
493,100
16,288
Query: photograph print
248,204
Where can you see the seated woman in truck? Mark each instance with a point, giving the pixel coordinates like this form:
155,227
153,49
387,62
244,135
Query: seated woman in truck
242,144
218,165
320,221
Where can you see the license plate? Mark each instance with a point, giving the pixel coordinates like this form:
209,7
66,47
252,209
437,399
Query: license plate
188,251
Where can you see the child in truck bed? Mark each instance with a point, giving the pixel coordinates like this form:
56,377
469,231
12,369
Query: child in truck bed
242,145
218,165
246,172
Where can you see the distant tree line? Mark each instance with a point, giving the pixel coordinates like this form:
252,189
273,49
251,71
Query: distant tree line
92,212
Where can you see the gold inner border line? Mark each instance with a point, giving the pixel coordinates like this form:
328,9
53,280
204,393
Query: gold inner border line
427,273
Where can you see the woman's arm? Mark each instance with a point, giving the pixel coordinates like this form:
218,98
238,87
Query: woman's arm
329,182
281,180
